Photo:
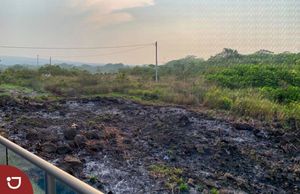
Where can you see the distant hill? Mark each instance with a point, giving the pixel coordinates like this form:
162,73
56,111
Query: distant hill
107,68
14,60
8,61
11,60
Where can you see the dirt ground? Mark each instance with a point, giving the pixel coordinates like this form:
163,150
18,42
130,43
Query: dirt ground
120,146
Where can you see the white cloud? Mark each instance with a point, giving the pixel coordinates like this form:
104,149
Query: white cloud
105,12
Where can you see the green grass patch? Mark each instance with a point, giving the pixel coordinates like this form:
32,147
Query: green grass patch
7,87
172,175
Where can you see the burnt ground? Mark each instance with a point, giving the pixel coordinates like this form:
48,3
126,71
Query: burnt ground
120,146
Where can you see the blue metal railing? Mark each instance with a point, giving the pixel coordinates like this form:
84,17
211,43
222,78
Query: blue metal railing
45,177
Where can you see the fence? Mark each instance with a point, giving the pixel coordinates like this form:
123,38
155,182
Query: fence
45,177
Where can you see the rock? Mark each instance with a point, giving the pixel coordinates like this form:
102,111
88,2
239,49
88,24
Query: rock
3,133
100,186
46,135
94,145
80,140
32,135
49,147
240,181
63,149
70,133
184,121
260,133
209,183
243,126
74,126
93,134
229,176
191,182
72,160
71,164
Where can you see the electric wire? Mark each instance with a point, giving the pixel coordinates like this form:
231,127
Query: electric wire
101,55
74,48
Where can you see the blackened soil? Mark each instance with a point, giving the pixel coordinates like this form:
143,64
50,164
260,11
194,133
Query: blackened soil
120,146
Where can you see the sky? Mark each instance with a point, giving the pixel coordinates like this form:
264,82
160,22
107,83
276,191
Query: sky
181,27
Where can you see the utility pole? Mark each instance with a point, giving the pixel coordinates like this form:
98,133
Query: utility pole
37,60
50,60
156,62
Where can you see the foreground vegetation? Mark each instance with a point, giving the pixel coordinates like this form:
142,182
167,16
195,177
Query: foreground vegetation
260,86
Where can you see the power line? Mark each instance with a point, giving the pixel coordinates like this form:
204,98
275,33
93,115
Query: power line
73,48
104,54
134,46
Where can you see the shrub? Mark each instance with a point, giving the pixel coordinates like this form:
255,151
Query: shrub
255,107
215,98
161,170
171,175
286,95
214,191
199,88
179,98
282,95
241,76
183,187
292,114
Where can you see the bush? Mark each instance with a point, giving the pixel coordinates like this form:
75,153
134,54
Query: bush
277,82
287,95
241,76
55,70
214,191
171,175
183,187
292,115
255,107
282,95
215,98
178,98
